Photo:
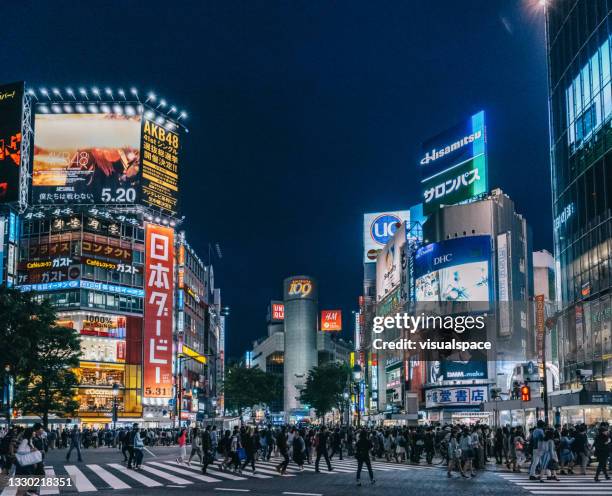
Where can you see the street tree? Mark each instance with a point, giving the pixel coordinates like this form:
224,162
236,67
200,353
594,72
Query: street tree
40,355
245,387
325,386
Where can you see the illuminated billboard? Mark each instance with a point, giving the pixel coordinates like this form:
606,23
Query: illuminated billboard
331,320
11,112
378,228
160,148
454,270
105,158
389,264
158,311
86,158
454,165
277,311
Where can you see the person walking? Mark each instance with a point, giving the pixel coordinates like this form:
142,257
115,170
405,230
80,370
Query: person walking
537,438
299,449
580,448
138,448
75,443
549,460
281,444
224,449
182,442
321,446
602,441
196,445
336,444
129,440
235,446
467,452
207,449
455,454
249,445
362,453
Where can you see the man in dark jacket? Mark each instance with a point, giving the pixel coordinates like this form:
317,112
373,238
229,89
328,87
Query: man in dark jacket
281,444
336,442
75,443
207,449
362,453
321,444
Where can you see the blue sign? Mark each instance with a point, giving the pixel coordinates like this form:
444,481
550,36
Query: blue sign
454,146
383,227
451,252
98,286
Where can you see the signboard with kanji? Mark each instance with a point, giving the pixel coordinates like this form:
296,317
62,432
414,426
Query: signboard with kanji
456,396
158,311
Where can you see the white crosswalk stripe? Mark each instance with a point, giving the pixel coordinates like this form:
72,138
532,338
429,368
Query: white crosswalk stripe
49,472
137,476
576,485
109,478
159,473
79,480
182,471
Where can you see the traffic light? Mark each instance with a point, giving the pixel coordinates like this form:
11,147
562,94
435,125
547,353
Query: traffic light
525,393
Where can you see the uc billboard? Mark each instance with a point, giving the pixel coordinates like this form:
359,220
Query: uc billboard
454,164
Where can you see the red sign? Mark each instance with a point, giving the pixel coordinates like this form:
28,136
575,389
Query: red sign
278,311
121,350
331,320
158,310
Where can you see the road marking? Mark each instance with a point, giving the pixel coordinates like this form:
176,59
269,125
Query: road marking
81,482
9,491
303,494
229,489
145,481
49,472
216,473
181,471
164,475
107,477
579,493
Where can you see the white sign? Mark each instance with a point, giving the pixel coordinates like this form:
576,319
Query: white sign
378,228
389,264
456,396
503,285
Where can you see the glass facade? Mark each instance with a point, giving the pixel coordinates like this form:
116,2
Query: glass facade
579,36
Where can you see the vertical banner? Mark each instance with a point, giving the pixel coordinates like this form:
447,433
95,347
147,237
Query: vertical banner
539,299
503,284
158,311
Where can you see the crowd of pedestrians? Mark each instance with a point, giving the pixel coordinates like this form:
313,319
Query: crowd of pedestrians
545,453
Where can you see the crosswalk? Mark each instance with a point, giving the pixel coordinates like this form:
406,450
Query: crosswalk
569,485
89,478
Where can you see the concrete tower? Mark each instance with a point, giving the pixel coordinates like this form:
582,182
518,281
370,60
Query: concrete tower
301,314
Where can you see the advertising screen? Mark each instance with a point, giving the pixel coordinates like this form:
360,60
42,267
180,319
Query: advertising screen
160,149
158,310
454,165
455,270
331,320
86,158
11,110
378,228
389,264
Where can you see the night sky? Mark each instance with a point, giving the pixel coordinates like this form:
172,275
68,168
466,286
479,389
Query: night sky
303,115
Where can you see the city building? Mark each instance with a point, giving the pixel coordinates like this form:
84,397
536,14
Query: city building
89,221
578,42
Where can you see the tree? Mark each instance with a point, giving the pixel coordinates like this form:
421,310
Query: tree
325,386
244,387
40,355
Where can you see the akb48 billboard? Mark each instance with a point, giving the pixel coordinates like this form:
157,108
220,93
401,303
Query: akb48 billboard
105,158
454,164
158,311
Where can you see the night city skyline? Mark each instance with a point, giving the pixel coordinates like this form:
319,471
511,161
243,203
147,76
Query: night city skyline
327,100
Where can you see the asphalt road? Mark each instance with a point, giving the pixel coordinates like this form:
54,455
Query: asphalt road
102,472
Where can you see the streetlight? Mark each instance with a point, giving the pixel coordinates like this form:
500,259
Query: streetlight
8,393
357,381
345,404
213,403
115,394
